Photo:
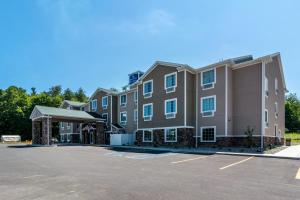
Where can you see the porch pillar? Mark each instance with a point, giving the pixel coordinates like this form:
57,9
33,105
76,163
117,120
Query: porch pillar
46,131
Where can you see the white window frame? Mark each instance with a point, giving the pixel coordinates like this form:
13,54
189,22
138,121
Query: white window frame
68,125
174,113
215,105
135,115
213,83
105,106
106,117
123,104
276,110
68,137
150,116
62,126
151,135
266,115
135,96
123,122
166,135
174,87
266,87
94,108
276,86
215,133
149,93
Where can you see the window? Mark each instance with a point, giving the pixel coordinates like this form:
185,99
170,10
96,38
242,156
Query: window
147,136
148,88
208,134
135,115
94,104
276,86
68,125
62,126
266,118
105,117
69,137
104,102
171,135
170,82
266,87
123,100
276,110
170,108
135,96
208,79
62,138
275,130
208,106
123,118
148,111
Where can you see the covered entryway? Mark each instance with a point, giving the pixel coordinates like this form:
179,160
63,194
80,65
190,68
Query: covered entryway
42,118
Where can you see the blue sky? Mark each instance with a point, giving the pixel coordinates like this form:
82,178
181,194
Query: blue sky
94,43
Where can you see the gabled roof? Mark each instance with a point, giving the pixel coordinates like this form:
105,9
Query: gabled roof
111,92
44,111
162,63
73,103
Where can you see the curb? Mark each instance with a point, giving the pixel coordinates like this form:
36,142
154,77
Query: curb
204,152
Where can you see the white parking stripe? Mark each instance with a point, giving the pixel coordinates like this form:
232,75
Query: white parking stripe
298,174
236,163
187,160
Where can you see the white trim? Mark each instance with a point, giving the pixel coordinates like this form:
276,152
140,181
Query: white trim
215,78
166,88
111,113
104,106
170,100
184,98
135,96
123,104
215,104
263,103
152,88
197,113
150,116
204,127
161,128
137,107
94,108
123,122
151,135
226,100
165,134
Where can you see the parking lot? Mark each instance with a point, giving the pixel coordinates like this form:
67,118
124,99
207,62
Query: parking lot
86,172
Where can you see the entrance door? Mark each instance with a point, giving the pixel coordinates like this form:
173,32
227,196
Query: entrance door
91,137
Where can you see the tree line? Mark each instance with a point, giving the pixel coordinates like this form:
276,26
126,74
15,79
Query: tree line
16,105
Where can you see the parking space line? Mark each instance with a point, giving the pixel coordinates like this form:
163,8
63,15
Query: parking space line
298,174
187,160
236,163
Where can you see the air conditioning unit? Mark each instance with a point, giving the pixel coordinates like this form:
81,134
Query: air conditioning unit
147,118
207,114
207,86
148,95
104,107
170,89
123,104
170,115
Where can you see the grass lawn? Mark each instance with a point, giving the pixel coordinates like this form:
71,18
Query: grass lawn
294,136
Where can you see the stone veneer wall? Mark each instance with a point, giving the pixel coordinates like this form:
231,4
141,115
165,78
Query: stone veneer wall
38,126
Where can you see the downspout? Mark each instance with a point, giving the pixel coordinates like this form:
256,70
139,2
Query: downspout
48,129
196,131
263,71
226,100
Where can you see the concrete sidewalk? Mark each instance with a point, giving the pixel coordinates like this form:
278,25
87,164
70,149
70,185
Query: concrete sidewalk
292,151
287,155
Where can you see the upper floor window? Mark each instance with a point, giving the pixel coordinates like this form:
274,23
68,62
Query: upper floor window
208,79
135,96
68,125
123,118
208,134
105,117
170,108
135,115
94,104
266,87
208,106
266,118
170,82
123,100
276,86
62,126
276,109
148,88
148,111
104,102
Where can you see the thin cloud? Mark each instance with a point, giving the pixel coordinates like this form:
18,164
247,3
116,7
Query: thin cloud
155,22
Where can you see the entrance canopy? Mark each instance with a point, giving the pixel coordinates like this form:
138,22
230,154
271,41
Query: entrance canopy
61,114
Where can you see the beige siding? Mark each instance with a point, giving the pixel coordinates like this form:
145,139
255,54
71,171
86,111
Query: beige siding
190,99
246,93
100,110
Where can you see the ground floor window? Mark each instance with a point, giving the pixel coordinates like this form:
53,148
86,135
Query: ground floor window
171,135
208,134
69,137
147,135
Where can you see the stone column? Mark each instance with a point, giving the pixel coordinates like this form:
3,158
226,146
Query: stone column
45,129
36,132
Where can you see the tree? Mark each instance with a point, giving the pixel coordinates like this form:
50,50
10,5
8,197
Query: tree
69,94
55,91
33,91
292,112
80,95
